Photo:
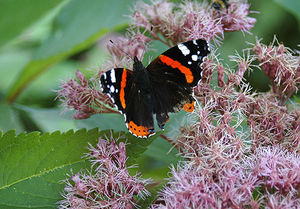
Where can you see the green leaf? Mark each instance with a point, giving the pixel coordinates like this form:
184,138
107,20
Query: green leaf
297,99
291,5
78,26
41,91
159,150
163,151
33,165
154,194
11,62
103,121
9,119
49,119
136,146
17,15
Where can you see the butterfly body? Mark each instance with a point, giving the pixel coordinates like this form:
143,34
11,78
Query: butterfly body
164,86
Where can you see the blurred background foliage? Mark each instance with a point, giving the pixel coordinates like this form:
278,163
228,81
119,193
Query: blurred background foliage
45,42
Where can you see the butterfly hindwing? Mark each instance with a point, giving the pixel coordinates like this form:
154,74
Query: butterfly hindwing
139,112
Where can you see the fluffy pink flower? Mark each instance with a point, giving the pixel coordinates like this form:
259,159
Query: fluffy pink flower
277,169
199,23
192,187
109,185
190,20
271,123
235,18
279,201
281,66
83,98
132,45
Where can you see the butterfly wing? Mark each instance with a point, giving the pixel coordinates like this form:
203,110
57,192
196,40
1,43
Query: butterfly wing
119,85
113,83
173,75
139,112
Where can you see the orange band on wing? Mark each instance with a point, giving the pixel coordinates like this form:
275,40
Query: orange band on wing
189,107
175,64
139,130
122,91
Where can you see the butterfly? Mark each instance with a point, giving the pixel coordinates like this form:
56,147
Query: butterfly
164,86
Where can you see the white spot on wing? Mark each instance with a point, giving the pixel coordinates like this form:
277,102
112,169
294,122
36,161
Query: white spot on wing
104,75
185,51
112,89
194,57
113,76
189,62
195,42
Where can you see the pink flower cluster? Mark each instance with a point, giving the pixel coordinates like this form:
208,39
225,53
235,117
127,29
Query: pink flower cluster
268,178
86,100
161,20
109,184
281,66
124,48
278,169
191,20
241,147
273,124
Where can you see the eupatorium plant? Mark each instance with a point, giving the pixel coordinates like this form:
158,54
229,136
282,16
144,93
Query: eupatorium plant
110,185
240,149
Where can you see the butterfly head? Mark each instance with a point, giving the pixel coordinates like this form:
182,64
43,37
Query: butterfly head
138,65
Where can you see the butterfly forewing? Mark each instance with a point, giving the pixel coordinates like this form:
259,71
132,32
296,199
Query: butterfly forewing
114,83
174,74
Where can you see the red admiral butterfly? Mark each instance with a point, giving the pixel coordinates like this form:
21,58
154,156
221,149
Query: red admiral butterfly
165,85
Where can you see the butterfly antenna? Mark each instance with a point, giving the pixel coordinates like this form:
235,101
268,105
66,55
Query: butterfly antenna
121,49
144,51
